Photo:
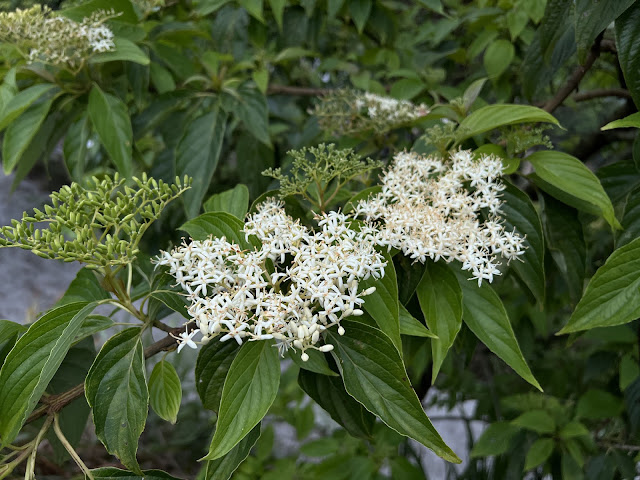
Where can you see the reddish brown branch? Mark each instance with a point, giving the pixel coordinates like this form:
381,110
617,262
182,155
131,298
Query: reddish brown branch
300,91
601,92
573,81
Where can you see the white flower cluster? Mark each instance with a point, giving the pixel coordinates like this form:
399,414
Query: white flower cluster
432,208
292,288
44,36
393,111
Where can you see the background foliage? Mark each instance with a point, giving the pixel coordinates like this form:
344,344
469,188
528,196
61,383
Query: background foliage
220,91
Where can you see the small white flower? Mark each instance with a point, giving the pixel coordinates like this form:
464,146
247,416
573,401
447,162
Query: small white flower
186,339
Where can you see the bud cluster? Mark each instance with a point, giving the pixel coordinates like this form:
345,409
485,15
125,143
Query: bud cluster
99,226
294,286
434,208
318,169
42,35
352,112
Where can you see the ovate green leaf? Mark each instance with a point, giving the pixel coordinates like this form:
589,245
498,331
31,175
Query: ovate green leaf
383,304
223,468
197,155
116,389
17,104
627,35
21,132
375,376
440,298
494,116
212,366
495,440
250,389
486,317
591,18
498,57
519,213
218,224
33,362
330,394
125,50
539,453
570,176
632,121
409,325
234,201
165,391
537,420
611,297
110,118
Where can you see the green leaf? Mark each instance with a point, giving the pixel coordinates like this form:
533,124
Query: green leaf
537,420
591,18
611,297
75,147
333,7
92,325
165,391
218,224
277,7
498,57
111,473
570,176
409,325
361,195
22,101
440,299
383,304
173,300
33,362
116,389
251,387
570,468
539,453
161,78
629,371
630,219
330,394
84,288
223,468
197,156
20,133
495,440
518,212
292,53
494,116
632,121
254,7
597,404
125,50
360,11
249,105
627,29
123,8
316,363
110,118
573,429
212,366
234,201
566,243
9,332
375,376
261,79
407,88
486,317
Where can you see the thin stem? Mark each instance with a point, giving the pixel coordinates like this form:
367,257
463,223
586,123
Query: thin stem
70,450
31,462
